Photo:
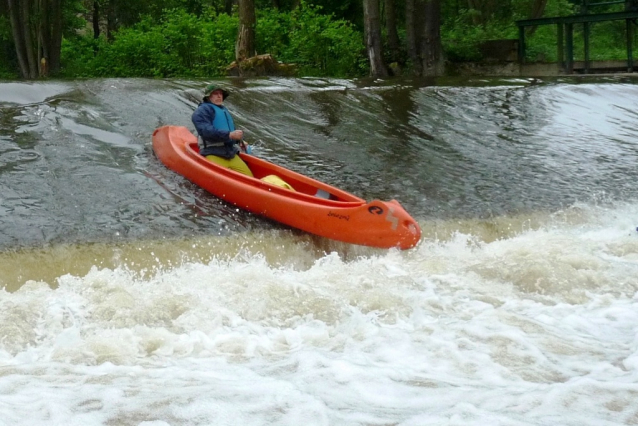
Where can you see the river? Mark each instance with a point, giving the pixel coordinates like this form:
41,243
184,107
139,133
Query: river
133,297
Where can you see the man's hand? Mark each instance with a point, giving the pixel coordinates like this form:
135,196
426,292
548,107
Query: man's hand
236,135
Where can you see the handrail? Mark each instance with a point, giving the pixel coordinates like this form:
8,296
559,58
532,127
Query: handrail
565,29
577,19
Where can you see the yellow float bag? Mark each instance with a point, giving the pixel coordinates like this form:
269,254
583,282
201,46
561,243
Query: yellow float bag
276,180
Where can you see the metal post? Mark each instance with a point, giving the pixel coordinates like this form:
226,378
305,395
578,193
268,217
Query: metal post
521,45
586,37
630,38
560,30
569,66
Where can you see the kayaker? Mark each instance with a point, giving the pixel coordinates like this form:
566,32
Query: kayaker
218,139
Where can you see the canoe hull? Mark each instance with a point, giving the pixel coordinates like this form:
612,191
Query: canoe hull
314,206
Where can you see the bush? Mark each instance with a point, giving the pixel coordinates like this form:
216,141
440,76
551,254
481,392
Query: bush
77,57
8,67
180,45
323,46
273,31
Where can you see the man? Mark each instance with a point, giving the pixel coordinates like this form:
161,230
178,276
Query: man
218,138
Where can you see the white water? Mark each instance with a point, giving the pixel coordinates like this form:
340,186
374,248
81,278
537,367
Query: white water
537,328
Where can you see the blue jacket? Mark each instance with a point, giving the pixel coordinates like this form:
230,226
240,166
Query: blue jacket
213,124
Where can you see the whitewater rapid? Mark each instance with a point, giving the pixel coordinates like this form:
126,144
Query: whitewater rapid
537,328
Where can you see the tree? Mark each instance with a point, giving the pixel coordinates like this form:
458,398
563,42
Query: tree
391,30
423,37
432,60
96,19
22,39
36,27
413,25
538,8
372,26
245,45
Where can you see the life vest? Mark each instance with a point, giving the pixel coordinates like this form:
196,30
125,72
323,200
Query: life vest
222,121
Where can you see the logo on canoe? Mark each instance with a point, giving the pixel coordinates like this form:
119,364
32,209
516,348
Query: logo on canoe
375,210
390,217
339,216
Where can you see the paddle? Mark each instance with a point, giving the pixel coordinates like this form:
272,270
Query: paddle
245,147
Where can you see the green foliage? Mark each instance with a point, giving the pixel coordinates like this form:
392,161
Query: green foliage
217,44
185,45
8,68
541,46
5,29
560,8
193,38
344,10
607,39
273,31
284,5
319,44
461,39
461,35
78,56
131,12
72,11
180,45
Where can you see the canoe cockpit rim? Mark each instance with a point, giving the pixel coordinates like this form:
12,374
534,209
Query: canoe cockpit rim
190,149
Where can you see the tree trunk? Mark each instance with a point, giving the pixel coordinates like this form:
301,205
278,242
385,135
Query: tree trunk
538,8
391,28
37,34
28,39
245,45
228,7
56,36
16,29
476,16
96,19
44,37
432,61
372,26
111,21
412,28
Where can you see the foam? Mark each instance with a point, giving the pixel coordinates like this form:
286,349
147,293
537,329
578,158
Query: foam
540,327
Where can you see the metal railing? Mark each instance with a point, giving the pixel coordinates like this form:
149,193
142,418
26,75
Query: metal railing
565,32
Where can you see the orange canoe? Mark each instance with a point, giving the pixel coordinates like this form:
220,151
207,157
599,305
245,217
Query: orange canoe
313,206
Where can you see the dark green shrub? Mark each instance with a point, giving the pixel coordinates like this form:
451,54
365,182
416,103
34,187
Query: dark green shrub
323,46
180,45
8,66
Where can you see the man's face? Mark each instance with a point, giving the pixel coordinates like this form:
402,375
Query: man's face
217,97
